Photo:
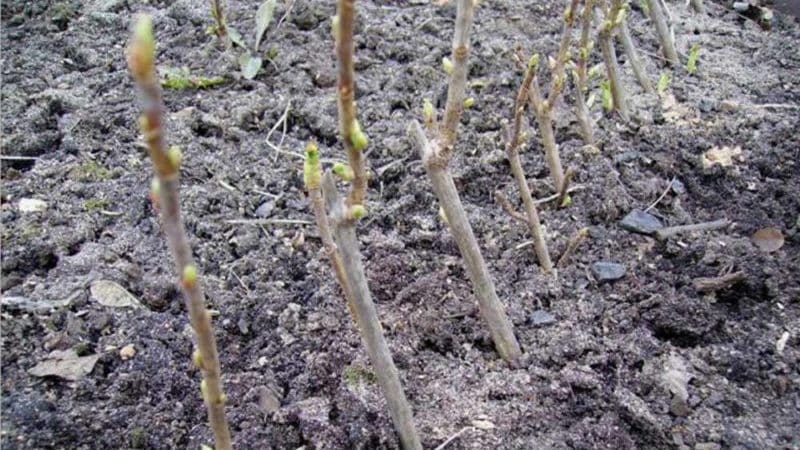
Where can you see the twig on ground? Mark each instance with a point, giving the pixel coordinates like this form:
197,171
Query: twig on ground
268,222
452,438
573,244
668,232
661,197
557,195
509,208
712,284
281,120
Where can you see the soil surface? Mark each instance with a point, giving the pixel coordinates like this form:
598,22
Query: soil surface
645,361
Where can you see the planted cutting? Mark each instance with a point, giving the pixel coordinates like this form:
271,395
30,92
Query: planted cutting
166,164
337,218
436,153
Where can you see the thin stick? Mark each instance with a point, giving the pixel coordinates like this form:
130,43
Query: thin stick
367,317
458,79
611,21
509,208
562,191
712,284
18,158
573,244
512,152
268,222
633,56
492,310
582,78
281,120
348,124
218,13
557,195
452,438
668,232
141,55
661,197
664,34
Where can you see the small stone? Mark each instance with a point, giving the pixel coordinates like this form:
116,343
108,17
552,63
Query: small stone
678,407
127,352
741,6
541,318
707,446
608,271
264,209
678,187
639,221
29,205
109,293
268,402
65,364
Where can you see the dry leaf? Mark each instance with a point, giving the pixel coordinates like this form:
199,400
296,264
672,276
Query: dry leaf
724,156
109,293
65,364
677,113
768,239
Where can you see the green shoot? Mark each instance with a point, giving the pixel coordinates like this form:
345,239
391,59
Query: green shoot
691,63
663,82
181,79
605,95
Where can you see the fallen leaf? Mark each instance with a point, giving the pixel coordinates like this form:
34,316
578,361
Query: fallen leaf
65,364
111,294
263,18
28,205
249,65
675,112
768,239
236,37
724,156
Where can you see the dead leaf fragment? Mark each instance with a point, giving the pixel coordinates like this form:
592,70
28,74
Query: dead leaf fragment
482,424
768,239
65,364
723,156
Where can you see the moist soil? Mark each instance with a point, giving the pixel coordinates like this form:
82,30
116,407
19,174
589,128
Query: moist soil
609,369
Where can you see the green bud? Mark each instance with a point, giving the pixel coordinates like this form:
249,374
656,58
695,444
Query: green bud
143,37
175,156
311,169
205,447
155,187
427,110
357,211
343,171
533,63
189,277
447,65
204,389
197,359
620,17
566,202
335,27
468,102
443,216
357,137
567,14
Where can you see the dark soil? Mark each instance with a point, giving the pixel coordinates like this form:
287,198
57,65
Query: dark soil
592,379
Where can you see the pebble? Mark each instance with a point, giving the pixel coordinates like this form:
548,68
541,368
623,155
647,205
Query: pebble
541,318
265,209
678,187
608,271
639,221
29,205
111,294
127,352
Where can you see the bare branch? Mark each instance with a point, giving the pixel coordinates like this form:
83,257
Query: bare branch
663,30
458,79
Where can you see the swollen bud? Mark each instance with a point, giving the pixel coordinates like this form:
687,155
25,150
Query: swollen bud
427,110
469,102
533,62
197,359
204,389
175,156
357,137
189,277
343,171
311,169
155,188
447,65
141,51
357,211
